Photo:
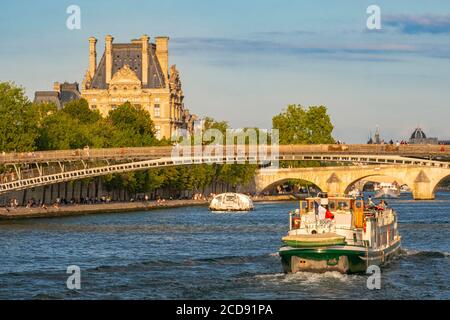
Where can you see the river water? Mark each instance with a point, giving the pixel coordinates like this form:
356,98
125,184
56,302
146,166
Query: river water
191,253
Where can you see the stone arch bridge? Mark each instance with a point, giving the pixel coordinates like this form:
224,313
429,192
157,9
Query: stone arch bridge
339,180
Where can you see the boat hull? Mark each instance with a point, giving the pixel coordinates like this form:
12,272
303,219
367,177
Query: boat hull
341,258
388,194
230,209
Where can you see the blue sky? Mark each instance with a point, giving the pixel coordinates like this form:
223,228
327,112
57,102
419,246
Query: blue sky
244,61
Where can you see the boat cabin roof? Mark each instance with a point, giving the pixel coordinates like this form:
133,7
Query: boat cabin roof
334,203
331,198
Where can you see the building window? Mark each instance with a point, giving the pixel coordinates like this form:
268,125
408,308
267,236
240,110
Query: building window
113,107
93,107
157,110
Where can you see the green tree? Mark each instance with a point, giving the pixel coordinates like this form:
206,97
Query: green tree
41,111
133,126
18,127
60,132
79,109
298,125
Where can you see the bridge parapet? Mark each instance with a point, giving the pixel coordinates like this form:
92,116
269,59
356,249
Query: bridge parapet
286,152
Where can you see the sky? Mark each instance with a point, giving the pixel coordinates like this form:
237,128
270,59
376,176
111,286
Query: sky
245,61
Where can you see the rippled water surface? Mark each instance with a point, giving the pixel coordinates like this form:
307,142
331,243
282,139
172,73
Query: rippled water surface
195,254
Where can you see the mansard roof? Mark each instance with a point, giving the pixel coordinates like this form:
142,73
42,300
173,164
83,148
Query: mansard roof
47,97
67,92
130,54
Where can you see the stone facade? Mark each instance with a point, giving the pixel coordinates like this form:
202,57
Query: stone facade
139,73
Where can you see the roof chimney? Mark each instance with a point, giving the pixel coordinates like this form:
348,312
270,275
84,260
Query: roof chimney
56,86
144,40
92,56
162,44
108,52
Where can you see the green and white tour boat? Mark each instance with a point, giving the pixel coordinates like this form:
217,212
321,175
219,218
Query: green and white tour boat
348,238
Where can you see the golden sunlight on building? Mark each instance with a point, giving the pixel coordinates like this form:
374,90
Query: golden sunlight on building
137,72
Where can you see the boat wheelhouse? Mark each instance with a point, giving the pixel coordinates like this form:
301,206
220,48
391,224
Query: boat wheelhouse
353,239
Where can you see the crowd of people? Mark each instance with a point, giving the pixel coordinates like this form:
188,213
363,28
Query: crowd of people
33,203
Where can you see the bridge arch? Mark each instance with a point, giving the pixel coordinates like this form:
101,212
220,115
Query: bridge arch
265,179
284,180
338,180
439,181
350,185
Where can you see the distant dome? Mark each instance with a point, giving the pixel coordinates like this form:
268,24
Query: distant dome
418,134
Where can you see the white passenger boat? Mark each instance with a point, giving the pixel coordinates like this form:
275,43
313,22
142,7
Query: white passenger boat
231,202
387,190
405,189
353,239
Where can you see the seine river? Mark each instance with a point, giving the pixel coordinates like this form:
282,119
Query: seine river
191,253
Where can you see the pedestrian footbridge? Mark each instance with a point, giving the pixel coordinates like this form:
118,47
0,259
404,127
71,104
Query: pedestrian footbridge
421,167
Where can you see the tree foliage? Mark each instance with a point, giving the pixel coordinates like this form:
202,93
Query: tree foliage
26,126
18,120
133,126
299,125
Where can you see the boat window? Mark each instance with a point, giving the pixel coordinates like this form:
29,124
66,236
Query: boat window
332,205
358,204
230,198
342,205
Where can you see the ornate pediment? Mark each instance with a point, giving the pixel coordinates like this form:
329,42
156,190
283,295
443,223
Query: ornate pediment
125,76
87,80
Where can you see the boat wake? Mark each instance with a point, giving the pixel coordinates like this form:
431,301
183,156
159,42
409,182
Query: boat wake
307,278
150,264
424,254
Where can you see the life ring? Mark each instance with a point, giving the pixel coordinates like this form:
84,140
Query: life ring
296,221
